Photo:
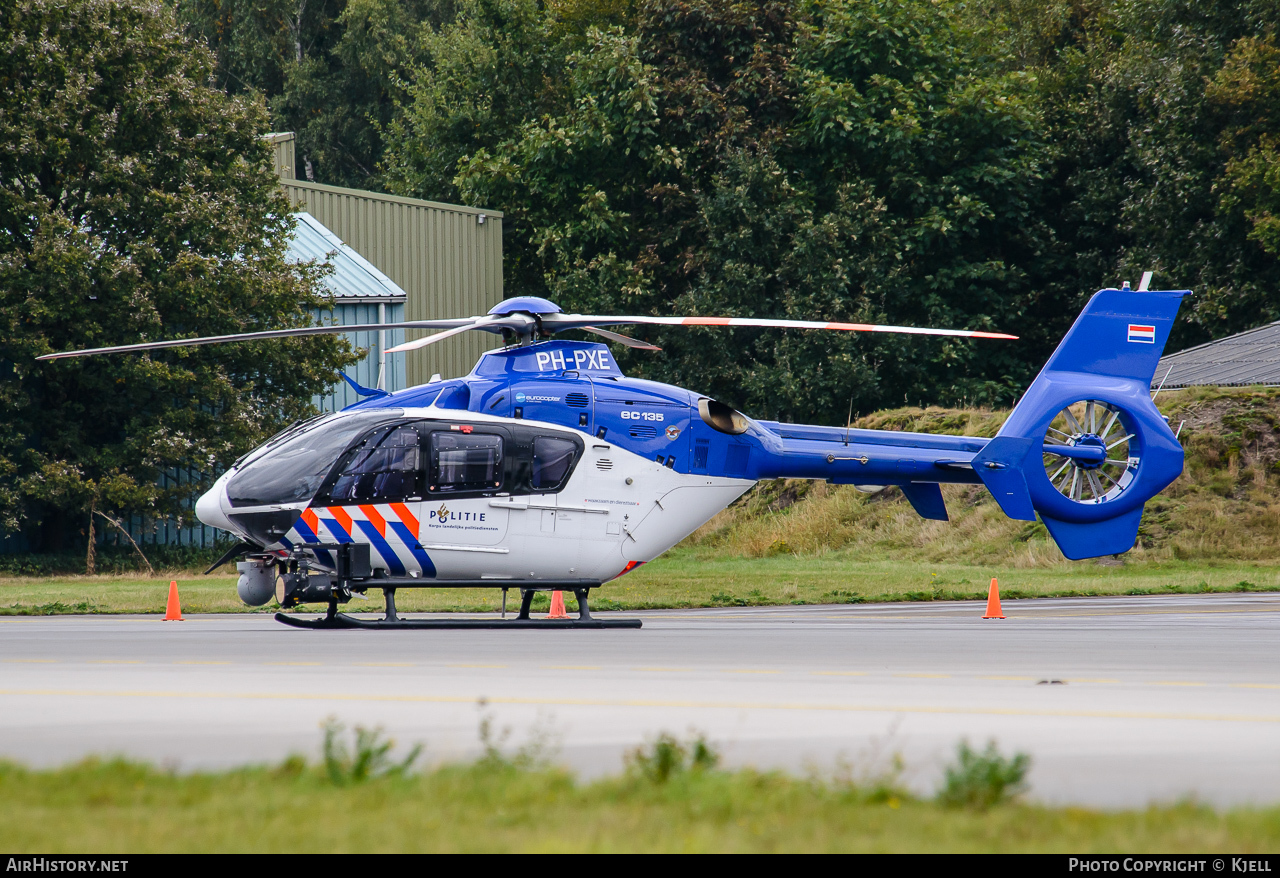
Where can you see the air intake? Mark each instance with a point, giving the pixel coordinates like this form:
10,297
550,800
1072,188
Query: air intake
604,463
642,431
576,400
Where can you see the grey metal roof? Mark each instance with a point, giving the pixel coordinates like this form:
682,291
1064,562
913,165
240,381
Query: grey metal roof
1252,357
354,278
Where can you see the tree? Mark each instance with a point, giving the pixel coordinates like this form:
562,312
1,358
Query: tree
136,203
1246,92
1157,116
495,66
331,70
824,159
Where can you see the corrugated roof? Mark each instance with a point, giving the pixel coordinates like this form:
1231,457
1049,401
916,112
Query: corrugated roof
1252,357
354,278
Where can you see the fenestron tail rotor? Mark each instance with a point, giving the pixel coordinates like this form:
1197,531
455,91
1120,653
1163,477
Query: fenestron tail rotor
528,318
1089,452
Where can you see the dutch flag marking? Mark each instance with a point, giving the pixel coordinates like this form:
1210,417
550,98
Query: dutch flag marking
1142,334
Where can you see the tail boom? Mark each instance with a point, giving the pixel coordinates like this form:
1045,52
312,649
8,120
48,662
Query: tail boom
1090,403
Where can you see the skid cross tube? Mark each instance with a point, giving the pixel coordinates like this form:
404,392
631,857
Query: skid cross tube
334,619
355,574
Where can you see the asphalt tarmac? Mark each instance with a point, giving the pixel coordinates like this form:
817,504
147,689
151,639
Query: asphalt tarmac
1119,701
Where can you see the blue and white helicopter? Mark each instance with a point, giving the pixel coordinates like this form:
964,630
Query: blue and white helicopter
546,468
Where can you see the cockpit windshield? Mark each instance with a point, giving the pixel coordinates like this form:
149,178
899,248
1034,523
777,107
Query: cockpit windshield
294,470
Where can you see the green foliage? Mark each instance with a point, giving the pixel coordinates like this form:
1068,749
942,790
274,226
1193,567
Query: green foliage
762,159
496,65
985,164
1159,114
137,203
113,805
666,757
983,780
367,760
331,70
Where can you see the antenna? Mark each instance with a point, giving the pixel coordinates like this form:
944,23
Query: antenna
1145,283
1162,381
848,422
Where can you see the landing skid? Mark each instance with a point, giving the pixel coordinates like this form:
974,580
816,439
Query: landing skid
335,620
342,620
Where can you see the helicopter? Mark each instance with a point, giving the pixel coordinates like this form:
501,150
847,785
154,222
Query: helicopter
547,469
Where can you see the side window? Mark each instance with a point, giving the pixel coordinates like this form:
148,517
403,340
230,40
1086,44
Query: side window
387,468
465,462
552,458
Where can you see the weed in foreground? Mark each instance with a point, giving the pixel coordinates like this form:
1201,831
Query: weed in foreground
537,753
981,780
666,756
369,760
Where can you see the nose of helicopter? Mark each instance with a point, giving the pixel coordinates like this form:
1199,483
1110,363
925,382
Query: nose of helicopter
209,508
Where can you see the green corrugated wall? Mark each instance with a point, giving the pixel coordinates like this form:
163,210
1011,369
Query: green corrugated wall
448,263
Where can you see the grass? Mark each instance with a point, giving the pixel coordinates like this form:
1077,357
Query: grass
687,578
671,798
1216,529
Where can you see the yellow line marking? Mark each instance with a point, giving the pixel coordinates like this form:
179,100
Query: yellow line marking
569,667
929,676
1024,612
839,673
32,661
663,669
1185,612
297,664
1176,683
384,664
626,702
115,662
201,663
476,666
1257,685
749,671
1006,678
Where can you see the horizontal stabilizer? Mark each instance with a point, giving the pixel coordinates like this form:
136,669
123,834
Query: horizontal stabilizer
1094,539
926,500
1000,466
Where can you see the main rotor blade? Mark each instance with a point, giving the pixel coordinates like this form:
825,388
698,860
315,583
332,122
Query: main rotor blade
561,322
464,323
432,339
623,339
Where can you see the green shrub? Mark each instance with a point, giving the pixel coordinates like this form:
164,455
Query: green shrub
666,756
980,780
369,760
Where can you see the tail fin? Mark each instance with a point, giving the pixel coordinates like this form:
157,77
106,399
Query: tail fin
1085,447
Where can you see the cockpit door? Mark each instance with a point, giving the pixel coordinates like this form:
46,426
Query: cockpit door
466,469
374,497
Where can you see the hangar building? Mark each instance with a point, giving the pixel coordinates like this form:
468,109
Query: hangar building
1251,357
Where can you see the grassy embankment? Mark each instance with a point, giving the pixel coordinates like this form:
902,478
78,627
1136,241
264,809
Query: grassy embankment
503,804
1217,528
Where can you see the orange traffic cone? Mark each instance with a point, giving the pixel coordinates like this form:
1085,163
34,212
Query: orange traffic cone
173,609
993,601
557,606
